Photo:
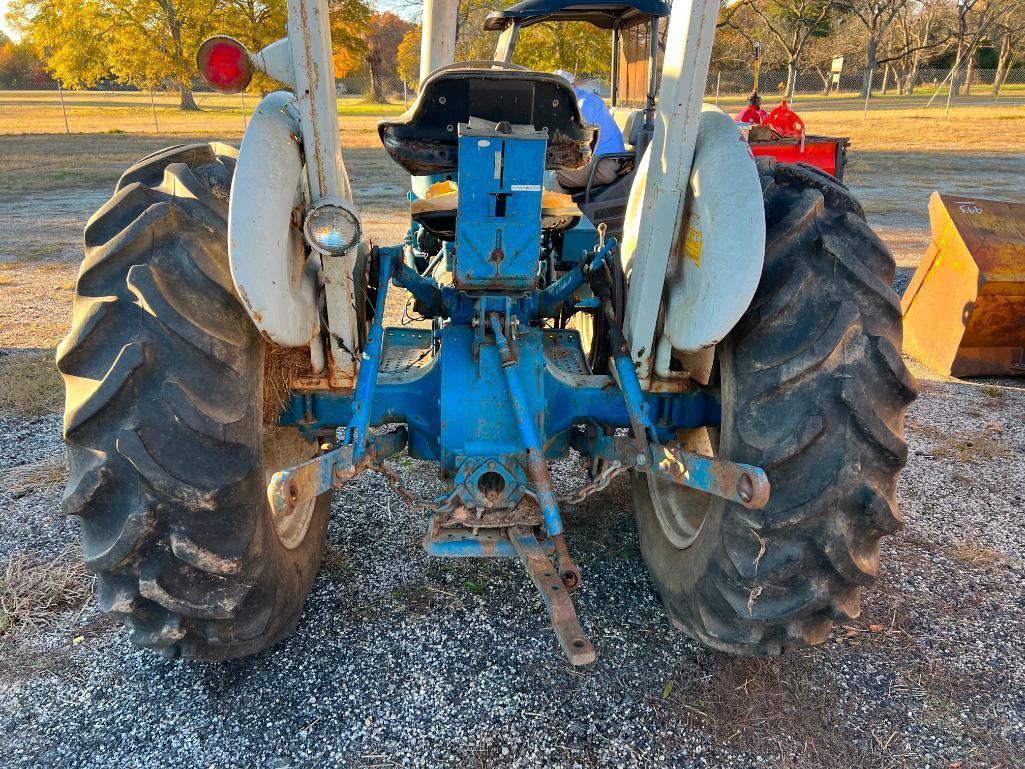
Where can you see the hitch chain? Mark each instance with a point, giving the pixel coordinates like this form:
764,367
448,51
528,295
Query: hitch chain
448,502
600,483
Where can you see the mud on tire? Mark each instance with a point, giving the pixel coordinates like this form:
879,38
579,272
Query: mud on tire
168,456
814,390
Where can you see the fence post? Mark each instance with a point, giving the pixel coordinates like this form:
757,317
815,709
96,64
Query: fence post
64,110
153,106
868,94
405,98
242,97
718,79
937,91
950,89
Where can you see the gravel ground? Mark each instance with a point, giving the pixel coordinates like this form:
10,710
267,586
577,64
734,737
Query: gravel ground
400,660
403,660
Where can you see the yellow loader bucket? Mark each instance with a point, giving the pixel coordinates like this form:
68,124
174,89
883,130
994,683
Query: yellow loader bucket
964,310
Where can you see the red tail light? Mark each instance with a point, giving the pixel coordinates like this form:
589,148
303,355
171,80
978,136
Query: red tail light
224,63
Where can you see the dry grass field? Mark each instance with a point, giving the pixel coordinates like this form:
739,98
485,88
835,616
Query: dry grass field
133,112
53,182
890,125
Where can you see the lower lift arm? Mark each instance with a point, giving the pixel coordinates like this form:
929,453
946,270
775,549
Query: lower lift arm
733,481
290,488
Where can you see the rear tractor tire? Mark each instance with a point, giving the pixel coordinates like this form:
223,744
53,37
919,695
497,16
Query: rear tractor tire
814,390
168,452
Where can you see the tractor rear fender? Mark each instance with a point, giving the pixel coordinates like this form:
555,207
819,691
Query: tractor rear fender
267,253
716,263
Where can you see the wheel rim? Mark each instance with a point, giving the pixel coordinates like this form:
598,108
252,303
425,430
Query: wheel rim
681,511
285,447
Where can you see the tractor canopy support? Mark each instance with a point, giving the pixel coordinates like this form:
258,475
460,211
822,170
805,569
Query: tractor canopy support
438,35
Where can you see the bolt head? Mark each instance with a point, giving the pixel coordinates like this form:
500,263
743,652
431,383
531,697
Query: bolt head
642,460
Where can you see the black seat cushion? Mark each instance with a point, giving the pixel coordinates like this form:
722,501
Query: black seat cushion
424,139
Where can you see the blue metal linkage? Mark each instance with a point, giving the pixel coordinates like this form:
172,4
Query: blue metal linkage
551,300
370,364
536,465
469,396
464,543
491,393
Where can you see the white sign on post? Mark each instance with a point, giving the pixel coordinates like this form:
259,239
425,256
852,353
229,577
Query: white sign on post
837,69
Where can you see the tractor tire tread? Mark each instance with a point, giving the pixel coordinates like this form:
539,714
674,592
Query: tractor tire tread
820,392
163,370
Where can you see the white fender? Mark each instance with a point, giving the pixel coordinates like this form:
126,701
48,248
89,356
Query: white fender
716,262
267,254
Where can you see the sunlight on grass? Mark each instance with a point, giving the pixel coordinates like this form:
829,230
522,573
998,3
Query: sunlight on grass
30,385
23,112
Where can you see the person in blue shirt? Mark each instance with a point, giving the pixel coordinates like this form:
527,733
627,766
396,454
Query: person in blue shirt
595,111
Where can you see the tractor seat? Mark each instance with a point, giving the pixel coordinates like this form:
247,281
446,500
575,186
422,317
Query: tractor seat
630,122
437,211
425,139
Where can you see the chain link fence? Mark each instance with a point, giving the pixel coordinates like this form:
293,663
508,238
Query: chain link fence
891,86
41,105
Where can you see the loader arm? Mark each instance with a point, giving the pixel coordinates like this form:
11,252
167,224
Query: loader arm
655,209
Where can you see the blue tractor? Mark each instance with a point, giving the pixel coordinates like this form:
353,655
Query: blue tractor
722,332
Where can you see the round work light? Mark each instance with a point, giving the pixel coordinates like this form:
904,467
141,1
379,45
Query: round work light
332,227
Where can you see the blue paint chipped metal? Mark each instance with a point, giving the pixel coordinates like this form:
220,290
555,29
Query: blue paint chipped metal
498,386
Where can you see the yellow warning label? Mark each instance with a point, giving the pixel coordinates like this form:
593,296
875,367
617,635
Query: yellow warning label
692,245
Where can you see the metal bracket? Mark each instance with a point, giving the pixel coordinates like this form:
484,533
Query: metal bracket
289,488
577,646
734,481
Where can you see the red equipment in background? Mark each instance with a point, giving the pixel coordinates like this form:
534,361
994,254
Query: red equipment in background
781,134
752,114
785,121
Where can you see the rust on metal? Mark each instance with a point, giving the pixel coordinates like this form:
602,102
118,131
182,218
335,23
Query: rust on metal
567,152
304,383
733,481
569,573
964,310
577,646
488,541
526,513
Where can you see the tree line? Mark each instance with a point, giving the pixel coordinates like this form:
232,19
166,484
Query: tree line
881,36
152,43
